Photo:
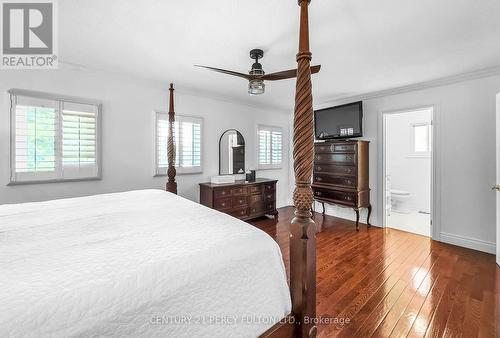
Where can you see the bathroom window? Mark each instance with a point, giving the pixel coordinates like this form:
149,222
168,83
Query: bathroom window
421,139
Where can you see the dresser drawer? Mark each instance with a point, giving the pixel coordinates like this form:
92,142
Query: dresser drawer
339,159
223,203
344,148
255,189
269,196
239,191
255,199
239,213
239,201
334,169
222,192
335,148
256,209
339,196
349,182
269,206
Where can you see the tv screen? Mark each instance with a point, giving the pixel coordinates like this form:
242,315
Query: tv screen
343,121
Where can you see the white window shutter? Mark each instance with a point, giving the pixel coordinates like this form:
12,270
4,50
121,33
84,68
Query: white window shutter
79,140
53,139
188,137
270,148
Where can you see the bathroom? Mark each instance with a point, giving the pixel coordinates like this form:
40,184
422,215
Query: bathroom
408,168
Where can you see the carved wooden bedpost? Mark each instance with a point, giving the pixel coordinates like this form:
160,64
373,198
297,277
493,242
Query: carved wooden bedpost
303,229
171,184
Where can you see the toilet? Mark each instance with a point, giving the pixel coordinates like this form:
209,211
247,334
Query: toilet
398,199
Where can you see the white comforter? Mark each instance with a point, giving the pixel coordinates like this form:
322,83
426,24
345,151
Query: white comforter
142,263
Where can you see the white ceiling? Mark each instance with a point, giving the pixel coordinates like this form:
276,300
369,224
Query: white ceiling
362,45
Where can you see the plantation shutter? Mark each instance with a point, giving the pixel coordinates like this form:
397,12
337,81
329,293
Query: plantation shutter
35,133
264,147
79,140
270,150
52,139
187,136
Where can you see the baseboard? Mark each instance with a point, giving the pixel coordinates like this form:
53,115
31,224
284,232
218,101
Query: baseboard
471,243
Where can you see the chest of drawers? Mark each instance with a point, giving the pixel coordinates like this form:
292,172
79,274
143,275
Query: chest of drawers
243,200
340,175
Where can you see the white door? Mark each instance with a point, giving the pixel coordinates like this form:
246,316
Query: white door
498,178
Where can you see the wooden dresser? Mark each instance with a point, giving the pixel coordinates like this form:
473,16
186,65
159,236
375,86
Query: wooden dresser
243,200
341,175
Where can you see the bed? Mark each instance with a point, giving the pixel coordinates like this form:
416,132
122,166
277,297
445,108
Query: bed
143,263
149,263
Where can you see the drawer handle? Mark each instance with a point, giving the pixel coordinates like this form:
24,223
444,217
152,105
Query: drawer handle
318,193
269,196
223,204
319,168
348,198
241,201
348,158
318,157
348,181
348,170
319,179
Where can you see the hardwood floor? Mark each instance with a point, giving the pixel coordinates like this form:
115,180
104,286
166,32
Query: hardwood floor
389,283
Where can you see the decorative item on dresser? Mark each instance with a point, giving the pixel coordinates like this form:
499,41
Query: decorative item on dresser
341,175
243,200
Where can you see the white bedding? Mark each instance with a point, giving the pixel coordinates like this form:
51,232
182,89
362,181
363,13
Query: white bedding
132,264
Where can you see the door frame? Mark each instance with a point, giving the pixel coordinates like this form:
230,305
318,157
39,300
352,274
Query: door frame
435,164
497,178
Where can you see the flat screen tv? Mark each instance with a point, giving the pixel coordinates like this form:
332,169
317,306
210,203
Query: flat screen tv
345,121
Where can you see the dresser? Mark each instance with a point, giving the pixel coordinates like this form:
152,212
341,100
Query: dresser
341,176
243,200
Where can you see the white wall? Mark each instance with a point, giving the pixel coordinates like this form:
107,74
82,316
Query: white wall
465,157
407,172
128,125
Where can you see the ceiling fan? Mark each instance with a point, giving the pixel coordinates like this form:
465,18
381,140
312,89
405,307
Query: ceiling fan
256,75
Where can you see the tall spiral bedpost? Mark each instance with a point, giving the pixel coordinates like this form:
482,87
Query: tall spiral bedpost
171,184
302,228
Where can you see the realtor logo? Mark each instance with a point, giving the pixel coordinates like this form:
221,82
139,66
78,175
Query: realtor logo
28,35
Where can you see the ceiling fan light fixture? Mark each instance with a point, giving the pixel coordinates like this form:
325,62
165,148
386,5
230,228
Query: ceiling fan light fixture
256,87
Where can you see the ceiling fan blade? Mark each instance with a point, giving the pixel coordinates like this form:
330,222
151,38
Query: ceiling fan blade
225,71
287,74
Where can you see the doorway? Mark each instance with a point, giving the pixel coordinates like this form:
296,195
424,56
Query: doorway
408,170
497,186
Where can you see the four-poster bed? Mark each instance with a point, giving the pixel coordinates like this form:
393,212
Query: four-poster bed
102,265
301,322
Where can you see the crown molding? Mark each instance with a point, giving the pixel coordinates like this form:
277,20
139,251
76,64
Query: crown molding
478,74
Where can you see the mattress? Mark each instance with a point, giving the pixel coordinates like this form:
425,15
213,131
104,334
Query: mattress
143,263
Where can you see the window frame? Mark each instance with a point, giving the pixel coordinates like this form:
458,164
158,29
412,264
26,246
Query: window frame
179,170
271,129
57,176
414,153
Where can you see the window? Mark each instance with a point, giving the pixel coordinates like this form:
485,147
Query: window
421,139
53,139
187,136
270,151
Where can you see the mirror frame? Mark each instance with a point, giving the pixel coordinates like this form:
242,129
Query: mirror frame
220,140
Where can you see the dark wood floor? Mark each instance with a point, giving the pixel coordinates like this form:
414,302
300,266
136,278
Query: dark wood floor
390,283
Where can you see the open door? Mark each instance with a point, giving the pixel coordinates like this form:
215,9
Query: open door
497,185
